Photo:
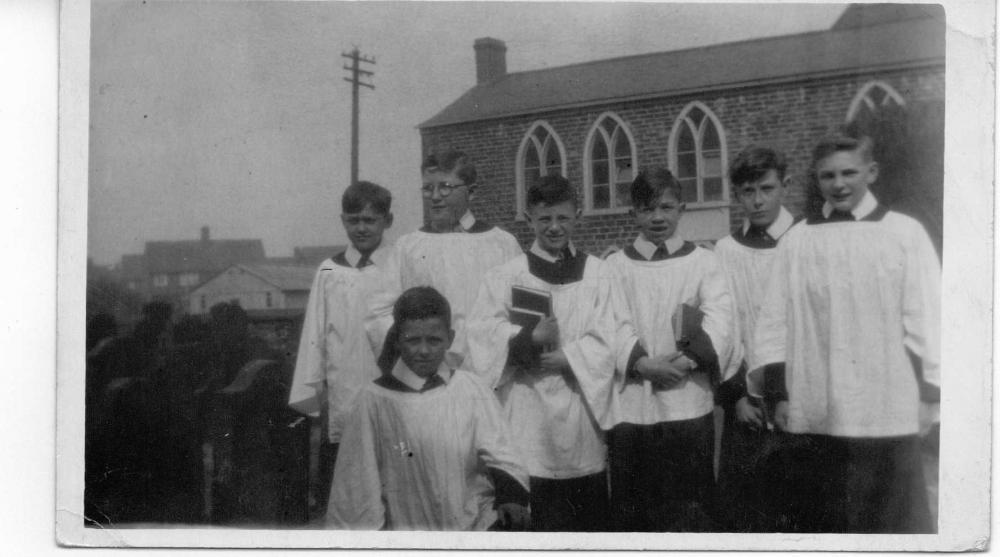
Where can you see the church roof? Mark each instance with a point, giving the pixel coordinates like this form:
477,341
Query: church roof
862,40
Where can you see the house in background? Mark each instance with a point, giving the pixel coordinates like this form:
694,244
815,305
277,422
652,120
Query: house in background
257,288
880,68
167,271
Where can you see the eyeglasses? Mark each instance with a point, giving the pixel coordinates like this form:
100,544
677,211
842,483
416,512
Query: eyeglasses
443,188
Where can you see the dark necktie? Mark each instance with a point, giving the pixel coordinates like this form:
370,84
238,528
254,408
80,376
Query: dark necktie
840,216
364,261
432,382
661,253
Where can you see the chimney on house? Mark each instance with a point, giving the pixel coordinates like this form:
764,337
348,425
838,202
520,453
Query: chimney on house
491,59
204,234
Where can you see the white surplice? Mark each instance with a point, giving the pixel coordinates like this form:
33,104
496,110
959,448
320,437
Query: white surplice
652,291
845,302
418,460
555,418
334,355
453,263
747,270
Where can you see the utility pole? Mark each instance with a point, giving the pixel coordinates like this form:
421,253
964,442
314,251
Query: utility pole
355,81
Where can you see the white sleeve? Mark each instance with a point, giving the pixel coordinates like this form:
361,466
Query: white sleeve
922,303
389,287
492,437
309,377
771,328
717,307
592,356
356,494
626,336
488,328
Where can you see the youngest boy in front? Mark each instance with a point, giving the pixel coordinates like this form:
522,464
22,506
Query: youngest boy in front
426,446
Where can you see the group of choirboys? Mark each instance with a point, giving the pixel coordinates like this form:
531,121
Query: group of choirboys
818,337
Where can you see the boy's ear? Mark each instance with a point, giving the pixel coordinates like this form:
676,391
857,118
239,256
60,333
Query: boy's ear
451,337
786,182
872,172
579,213
388,220
527,216
472,192
681,207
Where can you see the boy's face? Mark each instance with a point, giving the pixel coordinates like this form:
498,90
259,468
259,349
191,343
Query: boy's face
365,228
423,343
553,224
844,177
446,209
658,221
762,199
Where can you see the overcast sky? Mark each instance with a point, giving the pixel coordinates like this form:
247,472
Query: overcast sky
235,115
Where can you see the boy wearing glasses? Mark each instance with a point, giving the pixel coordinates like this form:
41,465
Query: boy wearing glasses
451,253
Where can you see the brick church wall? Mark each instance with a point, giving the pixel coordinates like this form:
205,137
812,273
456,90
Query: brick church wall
790,117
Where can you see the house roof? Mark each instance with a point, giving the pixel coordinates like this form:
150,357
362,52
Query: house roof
283,277
848,49
200,255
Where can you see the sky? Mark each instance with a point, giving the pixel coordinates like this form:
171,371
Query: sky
236,115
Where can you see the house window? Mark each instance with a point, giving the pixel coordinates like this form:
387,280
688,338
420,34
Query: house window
267,299
161,281
188,279
609,165
872,98
541,153
698,156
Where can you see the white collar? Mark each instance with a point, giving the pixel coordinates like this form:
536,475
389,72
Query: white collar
776,229
864,207
647,248
352,255
467,221
537,250
407,376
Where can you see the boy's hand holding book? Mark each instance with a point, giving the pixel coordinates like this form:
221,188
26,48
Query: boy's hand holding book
546,332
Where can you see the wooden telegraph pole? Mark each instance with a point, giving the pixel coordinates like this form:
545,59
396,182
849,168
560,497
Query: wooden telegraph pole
355,81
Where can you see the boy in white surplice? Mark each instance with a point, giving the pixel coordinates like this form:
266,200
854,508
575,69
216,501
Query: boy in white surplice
451,253
426,446
662,446
554,376
334,359
847,342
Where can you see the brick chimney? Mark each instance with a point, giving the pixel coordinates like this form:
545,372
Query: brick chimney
204,234
491,59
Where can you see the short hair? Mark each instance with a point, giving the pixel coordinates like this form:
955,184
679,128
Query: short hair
366,194
650,184
421,302
550,190
754,162
843,143
451,160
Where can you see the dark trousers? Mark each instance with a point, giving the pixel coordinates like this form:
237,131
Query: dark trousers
662,475
324,481
570,505
856,485
746,493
